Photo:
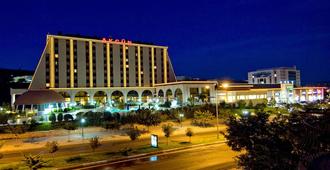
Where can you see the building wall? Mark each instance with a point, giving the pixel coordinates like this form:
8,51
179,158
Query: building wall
71,62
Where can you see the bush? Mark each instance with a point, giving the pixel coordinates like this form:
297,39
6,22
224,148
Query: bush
68,117
94,143
34,161
133,133
168,130
202,118
44,127
60,117
33,124
189,133
52,117
112,125
52,147
166,104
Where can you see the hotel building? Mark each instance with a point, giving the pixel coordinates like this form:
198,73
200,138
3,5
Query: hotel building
86,70
105,71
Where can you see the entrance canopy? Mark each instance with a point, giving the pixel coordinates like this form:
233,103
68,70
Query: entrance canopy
38,97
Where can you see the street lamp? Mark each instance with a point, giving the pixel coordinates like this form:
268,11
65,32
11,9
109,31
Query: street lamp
82,121
216,106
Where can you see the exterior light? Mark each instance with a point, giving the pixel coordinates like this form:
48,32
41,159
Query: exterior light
82,120
245,112
225,85
207,87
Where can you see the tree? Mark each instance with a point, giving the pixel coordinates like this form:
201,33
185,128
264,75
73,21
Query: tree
52,117
250,104
147,118
69,126
94,143
284,142
52,147
60,117
112,125
133,133
241,104
202,118
189,133
167,130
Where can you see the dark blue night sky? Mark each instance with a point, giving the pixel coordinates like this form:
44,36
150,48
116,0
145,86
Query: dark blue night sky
209,39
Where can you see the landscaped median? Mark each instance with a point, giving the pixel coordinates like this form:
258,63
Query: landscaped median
139,156
112,150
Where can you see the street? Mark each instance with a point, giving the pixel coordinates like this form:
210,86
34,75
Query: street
218,156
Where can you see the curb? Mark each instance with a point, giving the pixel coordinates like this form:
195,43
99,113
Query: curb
128,158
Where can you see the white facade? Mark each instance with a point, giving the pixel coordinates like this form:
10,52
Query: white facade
275,76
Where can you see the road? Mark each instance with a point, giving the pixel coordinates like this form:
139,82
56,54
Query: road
218,156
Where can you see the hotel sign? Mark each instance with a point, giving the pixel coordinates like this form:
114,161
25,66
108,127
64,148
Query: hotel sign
121,41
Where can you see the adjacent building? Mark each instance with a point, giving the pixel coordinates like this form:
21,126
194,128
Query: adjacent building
277,75
256,93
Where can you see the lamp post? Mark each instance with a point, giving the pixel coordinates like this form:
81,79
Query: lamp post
216,106
82,121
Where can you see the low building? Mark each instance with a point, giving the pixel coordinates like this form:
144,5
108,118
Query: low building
281,93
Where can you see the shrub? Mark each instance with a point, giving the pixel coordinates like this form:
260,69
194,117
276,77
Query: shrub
52,147
34,161
68,117
112,125
52,117
60,117
202,118
133,133
189,133
94,143
168,130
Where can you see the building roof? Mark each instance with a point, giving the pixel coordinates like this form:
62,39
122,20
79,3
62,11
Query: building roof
38,97
276,68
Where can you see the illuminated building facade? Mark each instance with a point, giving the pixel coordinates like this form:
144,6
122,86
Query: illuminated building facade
278,75
81,67
281,93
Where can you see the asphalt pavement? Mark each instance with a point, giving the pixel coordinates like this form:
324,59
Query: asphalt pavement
217,156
